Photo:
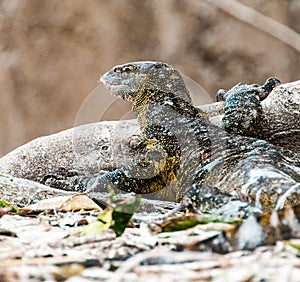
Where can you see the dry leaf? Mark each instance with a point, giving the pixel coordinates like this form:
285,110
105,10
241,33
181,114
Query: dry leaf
62,203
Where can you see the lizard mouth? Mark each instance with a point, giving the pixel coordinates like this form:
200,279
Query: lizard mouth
109,84
116,89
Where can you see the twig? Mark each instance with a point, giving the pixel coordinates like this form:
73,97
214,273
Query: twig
259,21
184,204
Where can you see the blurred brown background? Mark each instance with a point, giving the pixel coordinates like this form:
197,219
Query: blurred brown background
52,52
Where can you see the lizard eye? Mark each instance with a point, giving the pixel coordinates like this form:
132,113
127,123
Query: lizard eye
128,68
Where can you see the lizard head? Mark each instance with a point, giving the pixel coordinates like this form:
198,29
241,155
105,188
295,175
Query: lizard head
131,81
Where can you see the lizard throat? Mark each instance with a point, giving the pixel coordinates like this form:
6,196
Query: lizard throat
141,100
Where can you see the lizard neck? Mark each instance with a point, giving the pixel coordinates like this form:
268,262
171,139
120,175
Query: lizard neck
141,102
149,103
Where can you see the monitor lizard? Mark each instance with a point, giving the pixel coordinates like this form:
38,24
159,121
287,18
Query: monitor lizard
187,156
185,150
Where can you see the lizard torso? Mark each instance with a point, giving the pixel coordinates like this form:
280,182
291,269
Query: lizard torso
185,150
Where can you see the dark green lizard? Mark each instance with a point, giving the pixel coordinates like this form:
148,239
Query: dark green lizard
187,155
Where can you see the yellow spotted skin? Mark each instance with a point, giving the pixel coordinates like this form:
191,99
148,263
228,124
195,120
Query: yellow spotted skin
189,157
220,171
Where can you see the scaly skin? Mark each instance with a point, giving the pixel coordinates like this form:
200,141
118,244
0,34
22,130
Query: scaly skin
187,155
242,109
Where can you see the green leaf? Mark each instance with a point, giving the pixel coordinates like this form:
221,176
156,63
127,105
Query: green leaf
117,219
180,224
111,195
295,246
122,214
185,222
4,204
103,222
